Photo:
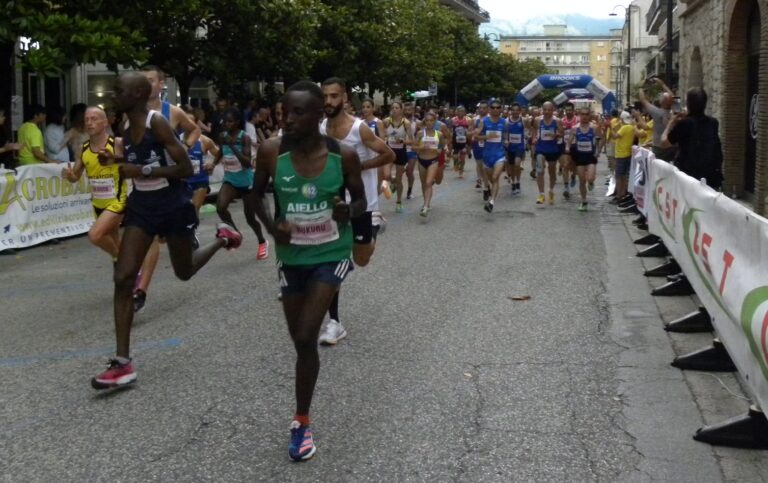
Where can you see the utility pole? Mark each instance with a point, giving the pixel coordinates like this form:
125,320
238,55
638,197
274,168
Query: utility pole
629,53
669,49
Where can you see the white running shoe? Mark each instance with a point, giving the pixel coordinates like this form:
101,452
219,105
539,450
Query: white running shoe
332,332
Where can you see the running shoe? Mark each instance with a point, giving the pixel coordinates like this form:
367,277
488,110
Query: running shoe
409,195
232,237
139,300
302,445
583,207
486,195
573,181
488,207
398,208
332,332
567,195
386,190
591,185
540,200
551,197
424,211
195,241
478,185
116,375
263,252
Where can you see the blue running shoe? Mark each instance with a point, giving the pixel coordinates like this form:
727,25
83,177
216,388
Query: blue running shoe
302,445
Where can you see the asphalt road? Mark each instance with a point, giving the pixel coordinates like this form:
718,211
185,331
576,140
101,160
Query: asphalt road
443,377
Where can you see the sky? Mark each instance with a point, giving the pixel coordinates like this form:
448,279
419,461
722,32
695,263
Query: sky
526,17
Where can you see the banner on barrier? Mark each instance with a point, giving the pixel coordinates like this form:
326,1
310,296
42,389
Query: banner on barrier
722,248
37,204
639,177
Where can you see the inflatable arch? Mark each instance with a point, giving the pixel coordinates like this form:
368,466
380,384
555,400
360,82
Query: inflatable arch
576,84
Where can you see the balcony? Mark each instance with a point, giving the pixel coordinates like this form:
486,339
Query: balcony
656,15
469,9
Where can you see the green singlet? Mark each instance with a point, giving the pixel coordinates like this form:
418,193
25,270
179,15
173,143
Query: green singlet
307,203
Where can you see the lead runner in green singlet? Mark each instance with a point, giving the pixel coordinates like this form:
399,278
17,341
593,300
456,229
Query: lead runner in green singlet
313,236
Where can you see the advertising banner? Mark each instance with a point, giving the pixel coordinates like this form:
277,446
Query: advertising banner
722,248
37,204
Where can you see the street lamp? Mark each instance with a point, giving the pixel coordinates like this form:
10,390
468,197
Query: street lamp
488,37
627,18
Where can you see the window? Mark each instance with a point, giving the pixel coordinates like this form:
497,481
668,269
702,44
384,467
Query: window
601,44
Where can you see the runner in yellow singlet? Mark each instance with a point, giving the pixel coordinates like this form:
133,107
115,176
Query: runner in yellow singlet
109,190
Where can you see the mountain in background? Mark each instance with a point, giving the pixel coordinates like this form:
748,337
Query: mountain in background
577,25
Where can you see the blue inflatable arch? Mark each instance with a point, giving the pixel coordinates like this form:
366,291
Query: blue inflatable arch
568,82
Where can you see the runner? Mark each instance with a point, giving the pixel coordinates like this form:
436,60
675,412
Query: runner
179,122
312,233
158,206
398,132
410,115
428,150
610,144
446,143
108,189
373,153
235,156
547,131
494,132
477,151
377,126
517,128
584,148
198,183
461,125
570,121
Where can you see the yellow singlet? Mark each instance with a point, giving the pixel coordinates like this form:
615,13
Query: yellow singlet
109,191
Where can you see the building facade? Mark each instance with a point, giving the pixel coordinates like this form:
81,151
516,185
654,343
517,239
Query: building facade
656,24
563,53
639,47
469,9
724,49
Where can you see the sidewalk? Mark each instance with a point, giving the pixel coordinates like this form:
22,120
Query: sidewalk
664,406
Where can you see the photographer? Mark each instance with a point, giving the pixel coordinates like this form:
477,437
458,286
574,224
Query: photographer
696,135
661,116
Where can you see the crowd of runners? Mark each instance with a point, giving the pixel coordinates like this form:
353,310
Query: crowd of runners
330,173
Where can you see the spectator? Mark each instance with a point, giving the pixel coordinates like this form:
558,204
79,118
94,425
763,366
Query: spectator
217,119
6,148
31,137
661,116
700,153
624,134
54,137
76,134
205,127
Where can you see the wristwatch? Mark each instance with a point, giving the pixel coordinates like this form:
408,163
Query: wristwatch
146,170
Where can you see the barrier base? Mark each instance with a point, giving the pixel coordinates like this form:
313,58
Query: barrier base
631,209
656,250
669,268
639,220
648,239
695,322
643,226
680,286
625,204
749,431
711,359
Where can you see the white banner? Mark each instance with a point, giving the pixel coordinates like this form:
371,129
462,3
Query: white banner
639,180
723,249
37,205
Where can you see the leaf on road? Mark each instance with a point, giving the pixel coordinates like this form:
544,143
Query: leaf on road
519,297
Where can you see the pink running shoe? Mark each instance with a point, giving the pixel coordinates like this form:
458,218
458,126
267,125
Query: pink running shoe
116,375
229,235
263,252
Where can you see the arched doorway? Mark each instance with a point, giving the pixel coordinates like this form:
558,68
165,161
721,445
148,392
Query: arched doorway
740,89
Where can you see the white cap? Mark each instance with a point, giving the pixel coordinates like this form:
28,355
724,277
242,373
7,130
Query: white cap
626,117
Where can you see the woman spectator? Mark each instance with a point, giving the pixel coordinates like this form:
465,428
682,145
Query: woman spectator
700,153
54,136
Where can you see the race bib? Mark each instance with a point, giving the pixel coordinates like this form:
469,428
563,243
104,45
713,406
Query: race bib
195,165
493,136
102,188
150,184
461,139
395,143
313,229
231,164
547,134
584,146
481,144
515,139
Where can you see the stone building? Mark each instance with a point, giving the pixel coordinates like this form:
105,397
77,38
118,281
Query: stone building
723,49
